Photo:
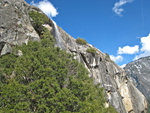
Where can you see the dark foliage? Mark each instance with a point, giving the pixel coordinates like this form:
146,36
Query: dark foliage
81,41
91,50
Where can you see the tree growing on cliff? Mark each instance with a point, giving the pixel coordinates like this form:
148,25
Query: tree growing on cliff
81,41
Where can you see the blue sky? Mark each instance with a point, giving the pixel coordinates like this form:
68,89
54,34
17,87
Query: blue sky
118,27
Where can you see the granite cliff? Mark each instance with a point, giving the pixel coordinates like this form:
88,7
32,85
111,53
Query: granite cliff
16,28
139,73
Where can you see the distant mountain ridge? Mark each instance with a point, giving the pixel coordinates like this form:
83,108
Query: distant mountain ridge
139,73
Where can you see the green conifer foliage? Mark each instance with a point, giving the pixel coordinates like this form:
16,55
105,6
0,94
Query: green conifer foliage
47,79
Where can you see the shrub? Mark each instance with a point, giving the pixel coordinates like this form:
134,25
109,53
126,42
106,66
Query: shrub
38,20
91,50
107,57
81,41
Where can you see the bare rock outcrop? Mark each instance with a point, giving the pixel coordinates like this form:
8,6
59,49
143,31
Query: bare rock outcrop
15,26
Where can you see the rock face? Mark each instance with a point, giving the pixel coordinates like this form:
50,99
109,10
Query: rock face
16,28
139,72
120,91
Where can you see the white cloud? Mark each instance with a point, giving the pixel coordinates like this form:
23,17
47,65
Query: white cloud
145,43
128,50
117,6
116,58
47,7
145,50
122,66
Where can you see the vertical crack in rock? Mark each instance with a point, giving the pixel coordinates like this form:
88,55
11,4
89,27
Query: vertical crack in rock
84,59
1,46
